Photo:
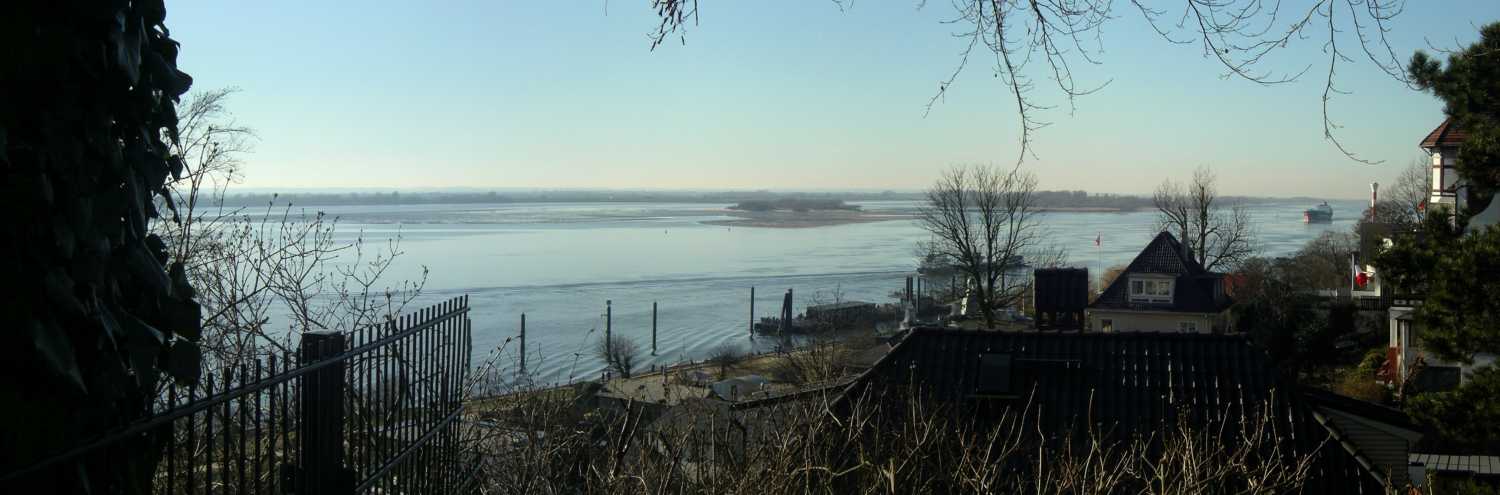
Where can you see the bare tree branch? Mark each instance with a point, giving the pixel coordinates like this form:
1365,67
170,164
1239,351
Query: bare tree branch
1240,35
984,222
1219,239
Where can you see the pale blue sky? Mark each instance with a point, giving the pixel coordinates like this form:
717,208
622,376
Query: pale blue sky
774,94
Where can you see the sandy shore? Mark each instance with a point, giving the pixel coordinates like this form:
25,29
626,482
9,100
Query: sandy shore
802,220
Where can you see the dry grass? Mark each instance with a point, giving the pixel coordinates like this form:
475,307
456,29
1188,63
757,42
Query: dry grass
881,445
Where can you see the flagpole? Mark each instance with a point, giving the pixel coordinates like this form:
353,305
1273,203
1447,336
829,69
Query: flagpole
1099,254
1353,274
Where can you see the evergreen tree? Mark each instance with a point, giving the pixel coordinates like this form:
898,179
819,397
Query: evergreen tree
1469,86
1465,416
1456,274
1456,277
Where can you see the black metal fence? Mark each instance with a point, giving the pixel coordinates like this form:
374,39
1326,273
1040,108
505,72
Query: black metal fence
372,410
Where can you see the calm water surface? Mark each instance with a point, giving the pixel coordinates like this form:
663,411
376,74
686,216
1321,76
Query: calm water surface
560,262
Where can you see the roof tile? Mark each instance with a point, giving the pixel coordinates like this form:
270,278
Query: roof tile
1123,384
1446,134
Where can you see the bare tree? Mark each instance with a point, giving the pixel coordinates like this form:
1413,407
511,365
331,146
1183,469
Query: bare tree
1403,202
984,221
1109,276
1411,187
1323,263
263,276
618,353
1219,237
1046,39
724,355
821,360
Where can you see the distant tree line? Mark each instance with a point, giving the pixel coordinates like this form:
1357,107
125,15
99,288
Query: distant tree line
755,199
558,196
793,204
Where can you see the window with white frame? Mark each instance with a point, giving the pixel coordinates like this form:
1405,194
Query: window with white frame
1187,327
1151,289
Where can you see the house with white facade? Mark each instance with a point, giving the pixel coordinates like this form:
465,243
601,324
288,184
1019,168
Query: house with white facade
1407,365
1163,290
1448,189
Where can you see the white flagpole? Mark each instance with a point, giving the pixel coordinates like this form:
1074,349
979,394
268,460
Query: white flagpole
1353,274
1099,253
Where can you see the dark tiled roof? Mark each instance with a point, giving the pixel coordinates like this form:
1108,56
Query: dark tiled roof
1446,134
1365,409
1197,290
1134,378
1123,384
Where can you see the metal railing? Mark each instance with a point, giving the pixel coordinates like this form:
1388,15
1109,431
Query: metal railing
375,409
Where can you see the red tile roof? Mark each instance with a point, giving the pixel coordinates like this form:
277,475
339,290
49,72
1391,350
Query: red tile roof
1446,134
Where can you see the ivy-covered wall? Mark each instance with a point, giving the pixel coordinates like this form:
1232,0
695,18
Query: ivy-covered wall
93,313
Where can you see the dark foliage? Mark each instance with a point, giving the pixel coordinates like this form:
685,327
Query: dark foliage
1469,86
1323,263
1466,417
1455,273
97,312
1280,318
1456,277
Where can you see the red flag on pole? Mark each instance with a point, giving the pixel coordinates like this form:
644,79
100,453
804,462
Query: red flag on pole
1358,277
1096,240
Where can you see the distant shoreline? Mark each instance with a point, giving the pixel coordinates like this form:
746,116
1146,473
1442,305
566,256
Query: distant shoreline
1046,200
1086,209
803,220
785,219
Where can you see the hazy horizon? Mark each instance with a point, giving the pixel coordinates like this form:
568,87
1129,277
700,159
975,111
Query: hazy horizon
769,96
688,190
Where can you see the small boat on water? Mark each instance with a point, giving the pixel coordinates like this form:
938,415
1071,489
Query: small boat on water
1318,214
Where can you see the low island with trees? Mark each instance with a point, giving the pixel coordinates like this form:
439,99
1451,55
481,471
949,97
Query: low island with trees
800,205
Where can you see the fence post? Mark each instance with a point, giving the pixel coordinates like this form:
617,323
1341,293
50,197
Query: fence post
322,416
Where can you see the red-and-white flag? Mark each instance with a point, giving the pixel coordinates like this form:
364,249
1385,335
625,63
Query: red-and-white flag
1357,277
1096,240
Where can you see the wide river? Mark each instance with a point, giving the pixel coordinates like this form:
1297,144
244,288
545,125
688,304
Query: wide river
560,262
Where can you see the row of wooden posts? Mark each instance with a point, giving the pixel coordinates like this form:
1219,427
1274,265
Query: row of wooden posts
912,293
609,322
608,329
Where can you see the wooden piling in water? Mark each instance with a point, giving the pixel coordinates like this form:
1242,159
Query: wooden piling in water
786,315
752,312
523,342
653,328
609,318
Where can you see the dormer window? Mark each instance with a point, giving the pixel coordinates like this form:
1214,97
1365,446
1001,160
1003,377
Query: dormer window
1151,289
